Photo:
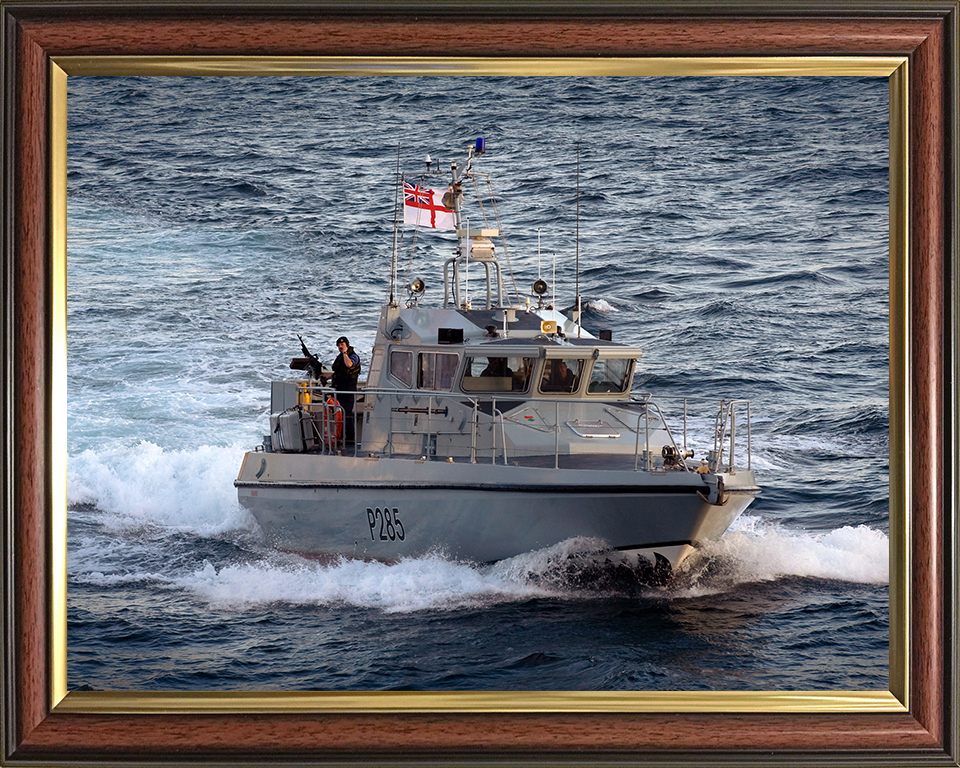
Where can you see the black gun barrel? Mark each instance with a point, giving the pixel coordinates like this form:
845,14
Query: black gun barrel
313,365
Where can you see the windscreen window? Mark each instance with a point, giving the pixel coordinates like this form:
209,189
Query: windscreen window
561,375
613,375
497,374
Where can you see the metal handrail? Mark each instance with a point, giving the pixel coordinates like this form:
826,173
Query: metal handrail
727,415
498,415
725,423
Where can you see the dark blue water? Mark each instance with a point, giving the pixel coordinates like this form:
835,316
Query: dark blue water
735,228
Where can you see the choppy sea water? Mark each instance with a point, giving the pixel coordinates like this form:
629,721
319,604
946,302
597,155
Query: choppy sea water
735,228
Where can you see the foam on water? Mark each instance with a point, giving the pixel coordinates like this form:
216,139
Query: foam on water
412,584
601,305
751,553
182,490
755,550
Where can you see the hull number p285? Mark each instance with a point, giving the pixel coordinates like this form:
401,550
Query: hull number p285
388,522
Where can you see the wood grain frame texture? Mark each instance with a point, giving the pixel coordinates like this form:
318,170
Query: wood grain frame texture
34,733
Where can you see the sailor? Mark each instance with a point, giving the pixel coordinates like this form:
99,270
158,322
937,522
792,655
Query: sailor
346,371
560,378
497,368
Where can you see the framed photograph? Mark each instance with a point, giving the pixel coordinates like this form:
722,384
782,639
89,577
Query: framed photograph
257,235
170,715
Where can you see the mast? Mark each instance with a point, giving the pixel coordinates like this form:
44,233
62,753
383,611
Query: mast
463,237
463,234
577,267
396,226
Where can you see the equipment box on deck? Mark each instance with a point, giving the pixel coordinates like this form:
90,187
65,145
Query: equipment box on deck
284,395
286,427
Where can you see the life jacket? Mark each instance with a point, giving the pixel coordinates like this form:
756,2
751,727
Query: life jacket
332,422
344,374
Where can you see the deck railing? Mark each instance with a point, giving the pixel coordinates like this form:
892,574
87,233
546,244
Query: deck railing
324,413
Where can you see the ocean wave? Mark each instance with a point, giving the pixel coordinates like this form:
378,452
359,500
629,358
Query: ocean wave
601,305
840,173
580,568
654,294
213,219
413,584
795,277
857,420
720,308
756,550
189,490
131,95
593,309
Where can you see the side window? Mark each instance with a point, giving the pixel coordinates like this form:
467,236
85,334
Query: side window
446,371
497,374
561,375
613,375
401,367
436,371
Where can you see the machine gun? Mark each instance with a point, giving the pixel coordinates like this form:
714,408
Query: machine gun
309,363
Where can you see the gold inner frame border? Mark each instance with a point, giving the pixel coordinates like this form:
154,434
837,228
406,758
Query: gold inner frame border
787,702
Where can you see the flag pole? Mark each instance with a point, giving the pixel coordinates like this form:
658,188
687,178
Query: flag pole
396,226
579,311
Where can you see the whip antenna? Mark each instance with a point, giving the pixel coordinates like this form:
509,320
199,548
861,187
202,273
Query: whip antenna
578,242
396,225
538,253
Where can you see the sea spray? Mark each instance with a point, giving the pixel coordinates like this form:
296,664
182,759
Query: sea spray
412,584
755,550
181,490
579,568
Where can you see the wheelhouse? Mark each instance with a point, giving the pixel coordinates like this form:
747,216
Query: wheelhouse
528,370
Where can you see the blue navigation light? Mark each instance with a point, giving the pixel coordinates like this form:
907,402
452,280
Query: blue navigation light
480,147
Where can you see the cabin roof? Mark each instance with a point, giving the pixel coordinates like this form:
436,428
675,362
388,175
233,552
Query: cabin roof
525,321
549,341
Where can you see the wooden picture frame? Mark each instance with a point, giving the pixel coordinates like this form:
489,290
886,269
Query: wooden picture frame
916,721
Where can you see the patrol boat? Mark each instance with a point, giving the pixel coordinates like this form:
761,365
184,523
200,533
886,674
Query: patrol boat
487,428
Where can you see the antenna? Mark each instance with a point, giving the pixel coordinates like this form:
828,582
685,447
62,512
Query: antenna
396,225
578,241
554,280
538,253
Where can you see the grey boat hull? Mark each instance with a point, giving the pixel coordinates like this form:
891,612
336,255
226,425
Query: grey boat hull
387,509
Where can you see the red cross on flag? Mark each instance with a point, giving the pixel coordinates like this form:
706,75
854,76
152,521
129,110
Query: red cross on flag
424,207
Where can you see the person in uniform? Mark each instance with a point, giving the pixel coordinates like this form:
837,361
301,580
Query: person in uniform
346,371
560,378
